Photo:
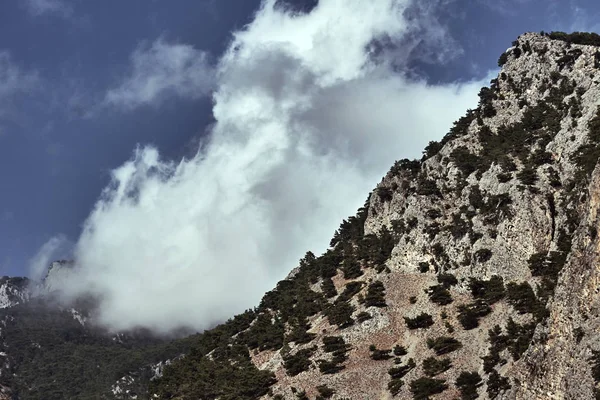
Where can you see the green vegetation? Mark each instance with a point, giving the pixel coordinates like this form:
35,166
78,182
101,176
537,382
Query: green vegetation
490,291
325,392
468,315
375,295
468,383
379,354
433,366
337,347
298,362
423,388
421,321
443,345
585,38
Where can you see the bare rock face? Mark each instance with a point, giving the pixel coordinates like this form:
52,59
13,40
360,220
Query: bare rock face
472,273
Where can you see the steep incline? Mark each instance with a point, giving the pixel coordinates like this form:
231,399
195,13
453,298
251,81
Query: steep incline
443,284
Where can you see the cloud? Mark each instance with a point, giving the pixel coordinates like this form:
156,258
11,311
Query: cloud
55,248
311,110
48,7
14,82
161,70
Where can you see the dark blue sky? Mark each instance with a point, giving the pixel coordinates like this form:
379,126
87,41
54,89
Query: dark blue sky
57,146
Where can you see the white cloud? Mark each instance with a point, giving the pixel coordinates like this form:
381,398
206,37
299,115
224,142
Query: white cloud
162,70
53,249
48,7
307,123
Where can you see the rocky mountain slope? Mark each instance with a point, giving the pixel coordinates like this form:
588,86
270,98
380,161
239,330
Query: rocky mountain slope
471,273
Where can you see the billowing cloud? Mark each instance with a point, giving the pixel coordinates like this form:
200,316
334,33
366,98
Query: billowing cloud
161,70
55,248
311,110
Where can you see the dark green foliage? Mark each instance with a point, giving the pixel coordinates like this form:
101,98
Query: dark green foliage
519,337
460,127
399,351
340,314
503,59
325,392
443,345
301,395
482,255
498,342
585,38
375,295
421,321
350,290
431,149
527,176
423,267
423,388
464,160
337,347
468,383
395,385
299,362
440,295
433,366
486,97
82,362
380,354
496,208
412,167
264,334
351,268
328,288
490,291
352,228
385,194
299,334
447,280
522,297
459,227
363,316
412,300
496,384
595,361
427,187
468,315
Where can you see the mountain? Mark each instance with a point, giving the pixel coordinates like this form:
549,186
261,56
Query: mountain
471,273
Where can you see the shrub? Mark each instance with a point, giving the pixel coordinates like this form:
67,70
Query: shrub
423,267
464,160
496,384
423,388
399,351
325,392
503,59
299,362
483,255
363,316
491,291
440,295
527,176
433,366
380,354
447,280
443,345
340,314
468,383
375,295
522,298
422,320
468,315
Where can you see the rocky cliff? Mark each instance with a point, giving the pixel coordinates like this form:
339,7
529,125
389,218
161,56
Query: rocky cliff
471,273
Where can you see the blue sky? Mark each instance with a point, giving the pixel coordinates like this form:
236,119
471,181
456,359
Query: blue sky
61,133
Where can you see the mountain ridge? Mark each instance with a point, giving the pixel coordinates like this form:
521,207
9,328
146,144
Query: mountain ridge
470,273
